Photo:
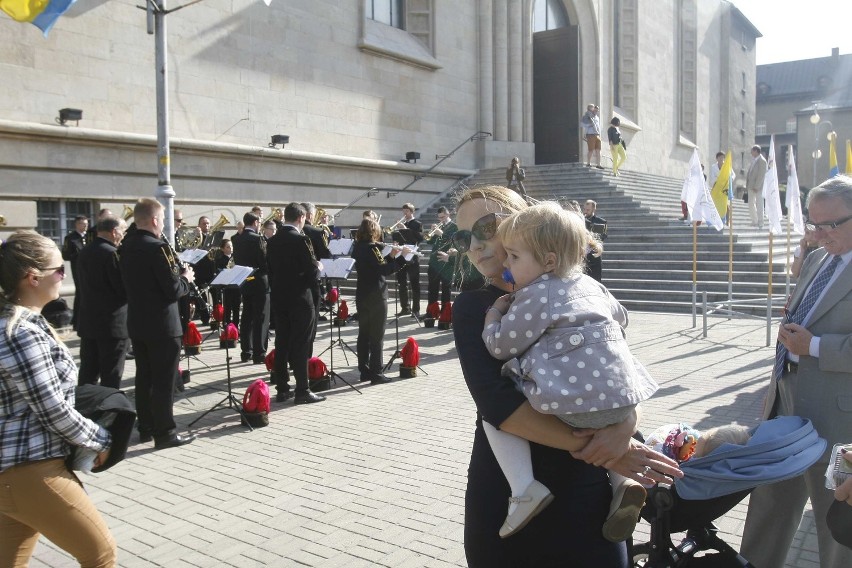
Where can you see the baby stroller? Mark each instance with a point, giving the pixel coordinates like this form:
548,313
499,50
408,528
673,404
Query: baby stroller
779,449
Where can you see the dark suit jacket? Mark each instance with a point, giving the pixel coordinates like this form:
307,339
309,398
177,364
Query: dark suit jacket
151,276
250,250
318,240
823,391
71,247
103,301
291,267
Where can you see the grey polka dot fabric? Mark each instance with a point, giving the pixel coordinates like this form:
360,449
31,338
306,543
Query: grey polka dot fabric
563,341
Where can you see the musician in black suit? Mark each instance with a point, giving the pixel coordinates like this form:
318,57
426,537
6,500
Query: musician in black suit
229,297
411,234
71,247
250,250
294,272
319,242
597,226
154,281
102,325
371,297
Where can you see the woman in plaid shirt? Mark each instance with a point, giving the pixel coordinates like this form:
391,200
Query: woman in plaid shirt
38,423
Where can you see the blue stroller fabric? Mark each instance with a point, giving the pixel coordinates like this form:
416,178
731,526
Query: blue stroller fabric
779,449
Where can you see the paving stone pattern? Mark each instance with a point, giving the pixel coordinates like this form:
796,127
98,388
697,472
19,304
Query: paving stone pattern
377,478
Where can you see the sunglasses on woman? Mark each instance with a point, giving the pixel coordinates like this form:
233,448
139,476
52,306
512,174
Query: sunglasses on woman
60,270
484,230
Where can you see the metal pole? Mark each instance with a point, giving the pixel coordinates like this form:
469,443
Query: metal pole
165,194
704,310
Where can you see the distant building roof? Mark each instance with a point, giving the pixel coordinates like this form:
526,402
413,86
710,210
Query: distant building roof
824,79
746,22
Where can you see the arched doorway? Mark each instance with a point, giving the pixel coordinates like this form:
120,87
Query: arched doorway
556,84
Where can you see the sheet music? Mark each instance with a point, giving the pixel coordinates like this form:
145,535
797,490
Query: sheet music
232,276
340,247
337,267
415,252
191,256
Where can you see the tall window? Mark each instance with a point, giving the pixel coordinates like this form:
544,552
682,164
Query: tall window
626,37
549,15
688,68
760,128
55,218
385,11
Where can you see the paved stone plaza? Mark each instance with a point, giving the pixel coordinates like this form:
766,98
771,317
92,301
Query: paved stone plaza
377,478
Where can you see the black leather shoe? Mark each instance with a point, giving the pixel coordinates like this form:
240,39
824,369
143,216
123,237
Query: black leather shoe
259,359
404,312
308,398
145,438
245,357
380,380
283,396
173,441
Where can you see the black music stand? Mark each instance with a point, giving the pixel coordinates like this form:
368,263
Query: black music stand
229,278
335,272
397,353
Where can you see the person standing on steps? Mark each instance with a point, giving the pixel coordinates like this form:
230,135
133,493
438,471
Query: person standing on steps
591,124
617,146
515,176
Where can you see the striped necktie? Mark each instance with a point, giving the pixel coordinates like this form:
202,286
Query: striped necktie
802,310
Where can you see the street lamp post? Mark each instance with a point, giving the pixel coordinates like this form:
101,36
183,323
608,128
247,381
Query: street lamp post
817,153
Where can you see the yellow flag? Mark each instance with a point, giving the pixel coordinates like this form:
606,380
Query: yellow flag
849,157
721,190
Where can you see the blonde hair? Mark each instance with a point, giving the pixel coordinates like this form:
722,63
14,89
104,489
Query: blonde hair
146,209
506,200
548,228
21,253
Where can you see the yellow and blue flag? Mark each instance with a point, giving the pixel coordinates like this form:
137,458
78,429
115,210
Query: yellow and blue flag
849,157
832,155
40,13
722,191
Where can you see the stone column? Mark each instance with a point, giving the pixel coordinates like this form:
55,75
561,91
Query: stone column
516,70
528,69
501,69
486,66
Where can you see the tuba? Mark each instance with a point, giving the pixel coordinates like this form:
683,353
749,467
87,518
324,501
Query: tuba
127,213
188,238
269,217
220,224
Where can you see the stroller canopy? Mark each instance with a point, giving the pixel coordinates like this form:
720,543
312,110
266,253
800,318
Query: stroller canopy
779,449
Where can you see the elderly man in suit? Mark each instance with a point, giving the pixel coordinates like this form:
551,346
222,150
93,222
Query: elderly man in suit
812,378
102,324
754,186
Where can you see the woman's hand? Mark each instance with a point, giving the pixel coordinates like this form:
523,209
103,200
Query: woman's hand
844,491
646,466
502,303
607,445
101,458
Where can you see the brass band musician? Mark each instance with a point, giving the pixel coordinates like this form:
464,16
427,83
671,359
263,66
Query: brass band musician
440,272
411,233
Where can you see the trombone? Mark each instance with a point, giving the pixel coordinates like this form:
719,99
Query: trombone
394,227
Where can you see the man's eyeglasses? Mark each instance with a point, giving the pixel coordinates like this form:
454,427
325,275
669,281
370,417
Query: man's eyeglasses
484,230
826,226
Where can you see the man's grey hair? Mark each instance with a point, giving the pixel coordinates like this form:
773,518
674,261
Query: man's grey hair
838,186
310,209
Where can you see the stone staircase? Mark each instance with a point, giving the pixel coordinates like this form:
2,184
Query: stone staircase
647,261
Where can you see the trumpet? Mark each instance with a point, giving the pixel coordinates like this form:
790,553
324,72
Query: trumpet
435,229
392,228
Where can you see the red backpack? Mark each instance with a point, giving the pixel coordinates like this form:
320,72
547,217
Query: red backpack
316,369
256,398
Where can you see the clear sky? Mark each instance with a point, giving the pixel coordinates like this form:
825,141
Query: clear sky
799,29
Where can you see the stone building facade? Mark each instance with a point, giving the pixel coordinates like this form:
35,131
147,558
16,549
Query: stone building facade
356,84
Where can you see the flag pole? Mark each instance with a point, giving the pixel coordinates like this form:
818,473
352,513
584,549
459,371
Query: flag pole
694,269
787,260
730,258
769,295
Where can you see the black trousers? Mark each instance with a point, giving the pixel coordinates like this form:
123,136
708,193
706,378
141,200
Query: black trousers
372,323
102,357
409,273
436,283
156,373
254,327
294,324
75,308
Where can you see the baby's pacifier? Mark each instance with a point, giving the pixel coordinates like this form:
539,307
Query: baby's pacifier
507,277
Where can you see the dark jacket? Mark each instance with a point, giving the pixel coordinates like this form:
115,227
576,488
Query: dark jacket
152,280
103,301
71,247
250,250
318,240
111,409
372,268
291,266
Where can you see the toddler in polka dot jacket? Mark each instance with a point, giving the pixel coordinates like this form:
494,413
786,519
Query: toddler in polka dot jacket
562,337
